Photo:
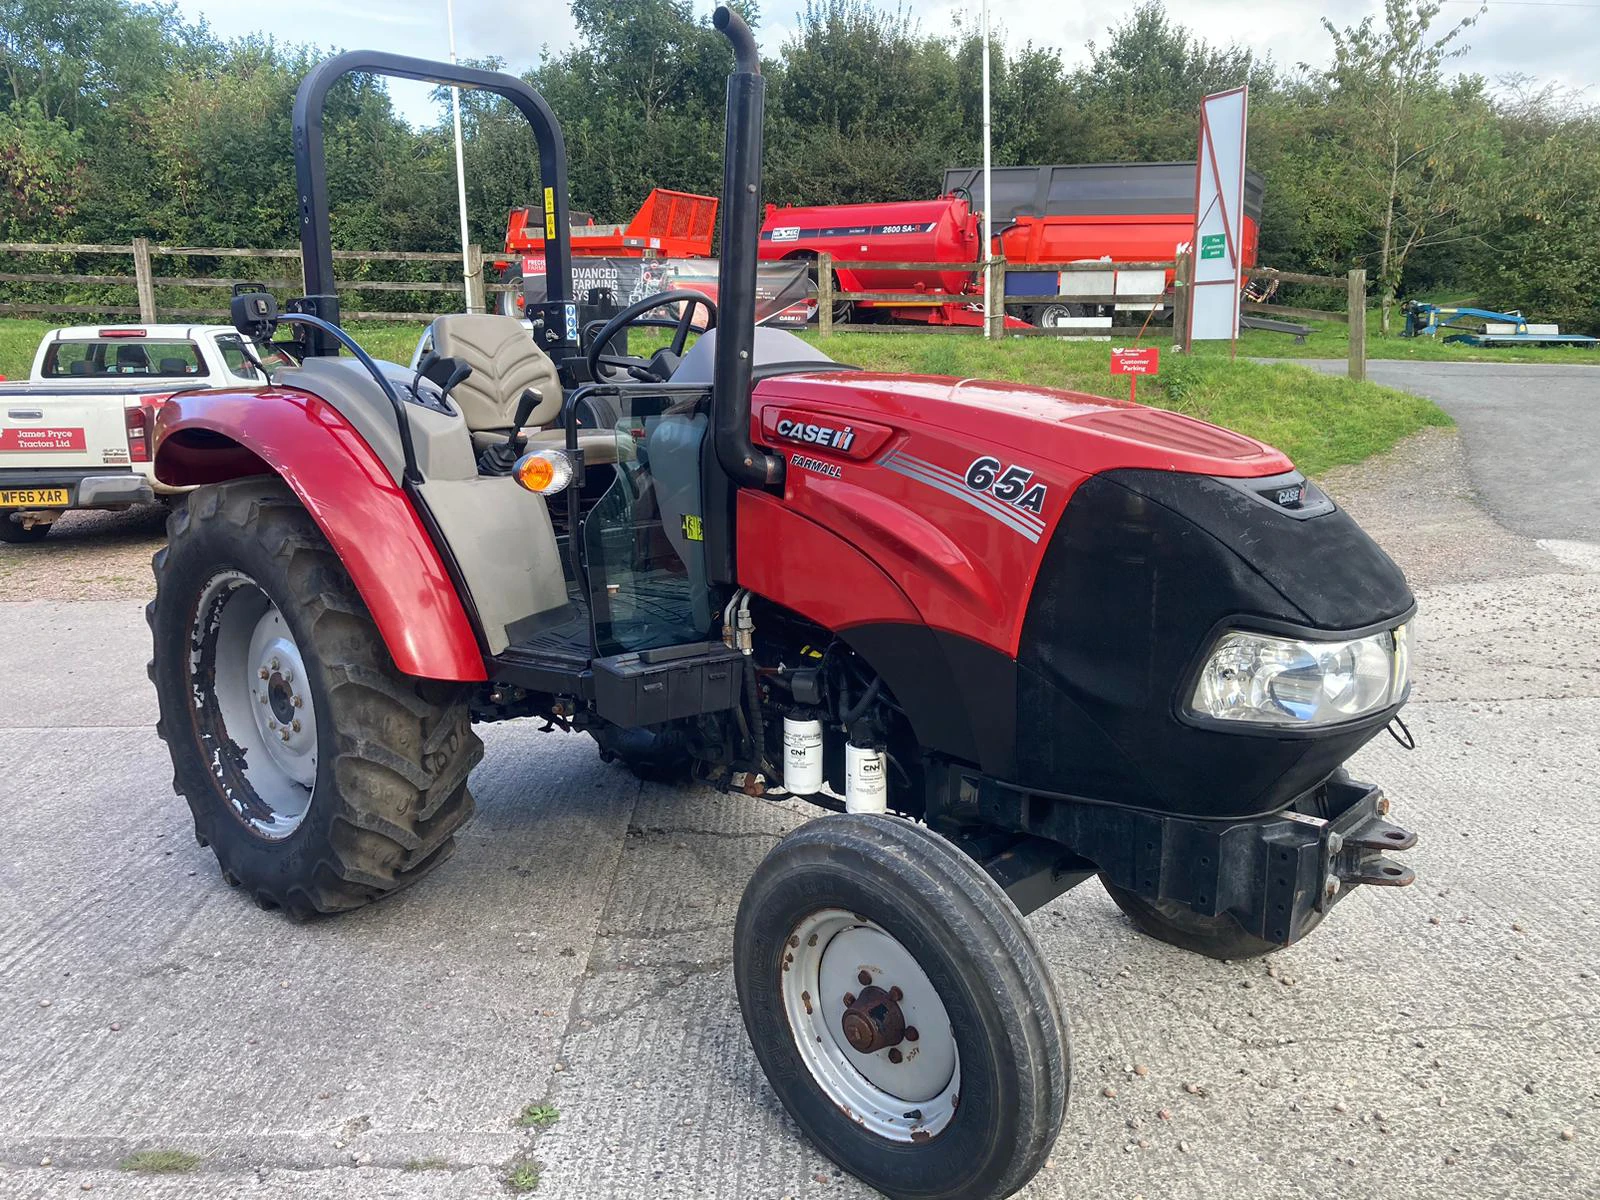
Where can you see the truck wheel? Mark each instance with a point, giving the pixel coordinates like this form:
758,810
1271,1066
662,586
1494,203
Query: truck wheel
18,534
1051,316
320,776
901,1010
1220,936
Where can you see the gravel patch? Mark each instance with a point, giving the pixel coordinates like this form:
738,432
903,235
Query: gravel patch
88,556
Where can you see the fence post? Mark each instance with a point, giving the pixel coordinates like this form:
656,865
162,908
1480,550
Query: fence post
825,294
997,298
1357,314
1182,296
141,280
473,280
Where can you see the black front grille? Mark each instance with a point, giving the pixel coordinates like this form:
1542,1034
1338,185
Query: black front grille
1144,570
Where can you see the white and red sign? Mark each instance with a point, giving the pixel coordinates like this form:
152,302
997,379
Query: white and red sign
1218,243
1137,361
44,439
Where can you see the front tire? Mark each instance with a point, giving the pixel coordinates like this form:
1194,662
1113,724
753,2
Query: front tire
901,1010
320,776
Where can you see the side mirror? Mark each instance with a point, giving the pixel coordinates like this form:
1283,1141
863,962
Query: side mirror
255,315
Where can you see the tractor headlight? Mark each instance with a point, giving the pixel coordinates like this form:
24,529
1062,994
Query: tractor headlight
1263,679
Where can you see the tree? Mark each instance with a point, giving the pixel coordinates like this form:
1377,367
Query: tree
1416,145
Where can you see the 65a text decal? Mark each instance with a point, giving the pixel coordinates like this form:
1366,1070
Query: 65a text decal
1012,484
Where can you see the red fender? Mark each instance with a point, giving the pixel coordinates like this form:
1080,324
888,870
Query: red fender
362,511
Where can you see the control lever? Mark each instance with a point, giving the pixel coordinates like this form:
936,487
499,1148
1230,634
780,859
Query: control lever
501,457
460,374
425,365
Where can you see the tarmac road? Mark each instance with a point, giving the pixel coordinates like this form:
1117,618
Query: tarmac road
1436,1041
1532,432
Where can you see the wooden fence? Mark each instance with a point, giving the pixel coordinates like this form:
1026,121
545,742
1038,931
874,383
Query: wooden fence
144,281
475,292
1354,287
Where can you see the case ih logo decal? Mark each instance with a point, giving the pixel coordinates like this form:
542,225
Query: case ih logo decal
1007,494
816,434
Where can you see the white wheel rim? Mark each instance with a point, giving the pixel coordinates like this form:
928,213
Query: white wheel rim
268,731
905,1091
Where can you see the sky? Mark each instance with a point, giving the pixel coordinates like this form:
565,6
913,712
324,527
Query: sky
1557,41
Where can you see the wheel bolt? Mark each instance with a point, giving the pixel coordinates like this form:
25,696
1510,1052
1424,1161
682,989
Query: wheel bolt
262,698
271,724
865,977
296,725
911,1033
896,995
894,1054
264,673
286,735
1332,885
297,701
273,664
849,999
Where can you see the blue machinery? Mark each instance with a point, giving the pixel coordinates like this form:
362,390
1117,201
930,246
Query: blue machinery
1431,318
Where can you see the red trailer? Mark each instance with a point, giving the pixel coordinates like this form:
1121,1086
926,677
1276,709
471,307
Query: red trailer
945,230
670,224
1120,212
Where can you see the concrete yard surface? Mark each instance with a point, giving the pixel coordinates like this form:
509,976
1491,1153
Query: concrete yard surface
1437,1041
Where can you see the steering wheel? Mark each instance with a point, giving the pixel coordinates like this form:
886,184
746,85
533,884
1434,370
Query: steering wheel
597,356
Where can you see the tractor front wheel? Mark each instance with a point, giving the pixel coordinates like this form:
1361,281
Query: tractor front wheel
320,776
901,1010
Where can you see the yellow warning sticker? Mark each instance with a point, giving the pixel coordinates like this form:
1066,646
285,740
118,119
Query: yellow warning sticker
693,529
549,214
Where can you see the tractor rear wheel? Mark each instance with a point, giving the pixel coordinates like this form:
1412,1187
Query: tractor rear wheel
1178,925
901,1010
18,534
320,776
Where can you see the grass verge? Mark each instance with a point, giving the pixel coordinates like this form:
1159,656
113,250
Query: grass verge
1331,339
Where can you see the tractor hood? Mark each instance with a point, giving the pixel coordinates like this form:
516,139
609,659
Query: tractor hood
1083,433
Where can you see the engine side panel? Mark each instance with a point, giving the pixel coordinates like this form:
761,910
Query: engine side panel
205,437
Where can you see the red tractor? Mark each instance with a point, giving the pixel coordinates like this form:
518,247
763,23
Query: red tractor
1017,638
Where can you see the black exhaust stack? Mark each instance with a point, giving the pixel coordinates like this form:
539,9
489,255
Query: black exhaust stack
736,273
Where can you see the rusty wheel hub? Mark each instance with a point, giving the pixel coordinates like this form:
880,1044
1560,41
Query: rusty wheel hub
874,1021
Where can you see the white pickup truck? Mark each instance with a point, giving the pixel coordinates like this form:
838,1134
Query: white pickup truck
78,433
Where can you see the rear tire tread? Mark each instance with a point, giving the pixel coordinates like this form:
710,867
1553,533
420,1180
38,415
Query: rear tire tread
403,747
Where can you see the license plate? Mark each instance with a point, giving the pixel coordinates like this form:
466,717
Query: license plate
35,498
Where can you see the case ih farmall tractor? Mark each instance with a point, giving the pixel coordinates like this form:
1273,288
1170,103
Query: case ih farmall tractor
1022,638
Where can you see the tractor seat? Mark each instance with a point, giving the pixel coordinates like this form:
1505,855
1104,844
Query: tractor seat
505,362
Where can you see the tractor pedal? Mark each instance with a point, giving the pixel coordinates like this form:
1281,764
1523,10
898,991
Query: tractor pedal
1384,872
1380,835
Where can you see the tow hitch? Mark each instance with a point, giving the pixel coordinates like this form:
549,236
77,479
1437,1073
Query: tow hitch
1356,856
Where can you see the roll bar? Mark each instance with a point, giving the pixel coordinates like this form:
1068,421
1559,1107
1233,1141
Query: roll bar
310,166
